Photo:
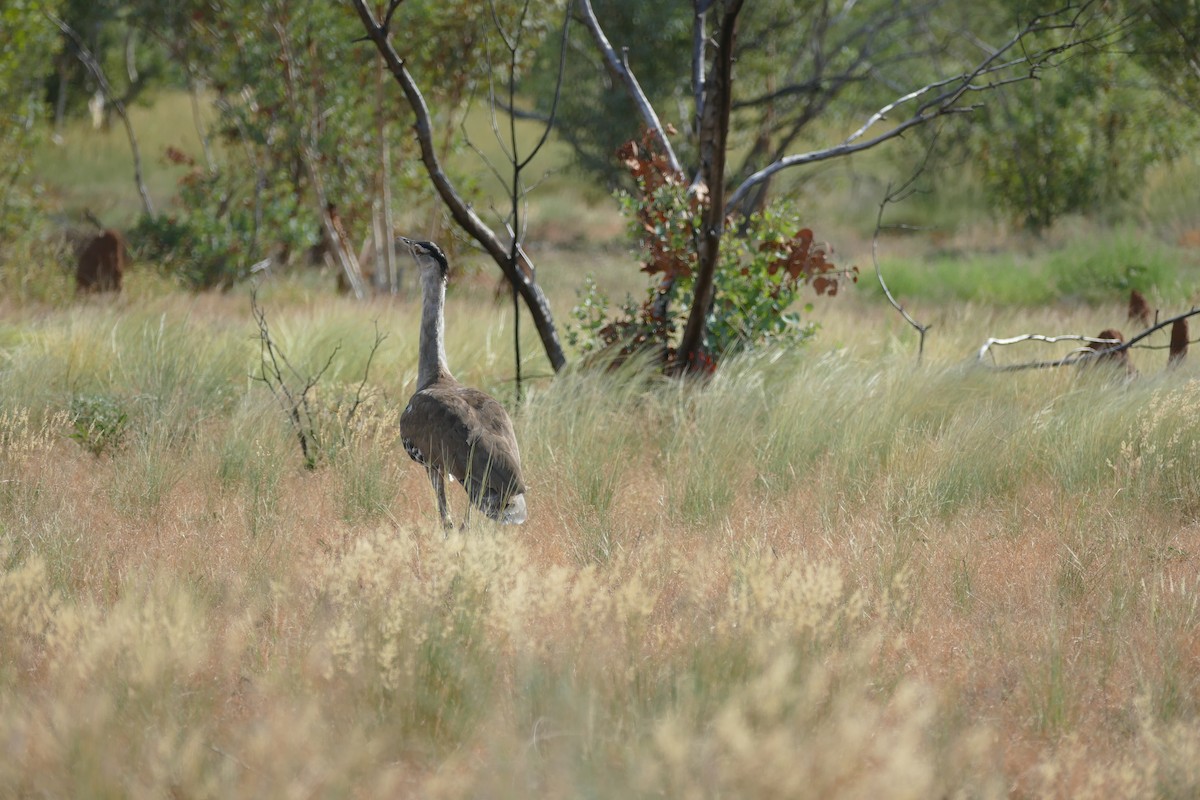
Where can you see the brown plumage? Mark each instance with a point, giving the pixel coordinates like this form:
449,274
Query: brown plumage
453,430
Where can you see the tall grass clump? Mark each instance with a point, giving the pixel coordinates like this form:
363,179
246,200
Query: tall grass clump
599,428
251,453
368,429
36,270
1157,446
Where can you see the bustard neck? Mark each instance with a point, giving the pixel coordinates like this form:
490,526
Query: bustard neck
431,363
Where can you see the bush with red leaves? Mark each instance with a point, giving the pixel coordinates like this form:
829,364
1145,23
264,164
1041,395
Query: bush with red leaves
765,261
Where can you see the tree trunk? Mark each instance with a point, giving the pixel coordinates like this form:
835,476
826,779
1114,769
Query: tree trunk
714,132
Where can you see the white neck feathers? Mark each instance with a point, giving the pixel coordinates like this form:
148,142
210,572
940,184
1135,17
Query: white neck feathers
432,359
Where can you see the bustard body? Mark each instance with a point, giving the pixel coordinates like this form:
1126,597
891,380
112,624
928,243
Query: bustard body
452,430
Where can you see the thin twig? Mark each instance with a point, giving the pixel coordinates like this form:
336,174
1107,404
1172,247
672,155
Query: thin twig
358,392
891,196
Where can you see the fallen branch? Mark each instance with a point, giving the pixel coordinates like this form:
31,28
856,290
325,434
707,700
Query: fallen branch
1081,356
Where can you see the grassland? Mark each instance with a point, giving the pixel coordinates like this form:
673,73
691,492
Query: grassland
829,572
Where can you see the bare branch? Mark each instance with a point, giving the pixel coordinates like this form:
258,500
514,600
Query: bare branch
698,37
947,94
387,20
889,197
358,392
986,350
714,137
562,66
625,76
519,275
93,66
295,406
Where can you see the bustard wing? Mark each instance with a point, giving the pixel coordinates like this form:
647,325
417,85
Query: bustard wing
466,433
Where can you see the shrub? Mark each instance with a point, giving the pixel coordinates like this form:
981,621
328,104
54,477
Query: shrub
99,423
764,263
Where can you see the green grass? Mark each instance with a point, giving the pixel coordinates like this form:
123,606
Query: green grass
93,169
1096,267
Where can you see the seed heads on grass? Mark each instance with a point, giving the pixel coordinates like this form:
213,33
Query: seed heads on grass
21,436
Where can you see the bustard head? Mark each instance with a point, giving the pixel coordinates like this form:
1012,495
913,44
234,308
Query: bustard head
429,256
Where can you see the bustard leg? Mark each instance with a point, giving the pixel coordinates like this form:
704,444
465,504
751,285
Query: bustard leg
439,486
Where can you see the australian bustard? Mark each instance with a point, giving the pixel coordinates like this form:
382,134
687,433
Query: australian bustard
453,430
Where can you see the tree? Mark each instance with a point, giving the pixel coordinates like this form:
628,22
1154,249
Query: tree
1028,49
797,63
114,32
1165,39
513,261
1077,139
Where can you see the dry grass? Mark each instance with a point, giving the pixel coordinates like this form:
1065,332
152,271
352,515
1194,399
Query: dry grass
830,573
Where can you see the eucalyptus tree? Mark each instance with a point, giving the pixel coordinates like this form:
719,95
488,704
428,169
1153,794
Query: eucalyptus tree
305,133
1079,139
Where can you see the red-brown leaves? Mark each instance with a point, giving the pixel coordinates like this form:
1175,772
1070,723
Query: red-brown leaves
648,165
803,262
665,212
759,271
173,155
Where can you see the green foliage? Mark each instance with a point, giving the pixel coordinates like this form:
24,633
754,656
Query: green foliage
226,224
302,102
761,270
1076,140
1165,37
99,423
1101,269
29,45
136,52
